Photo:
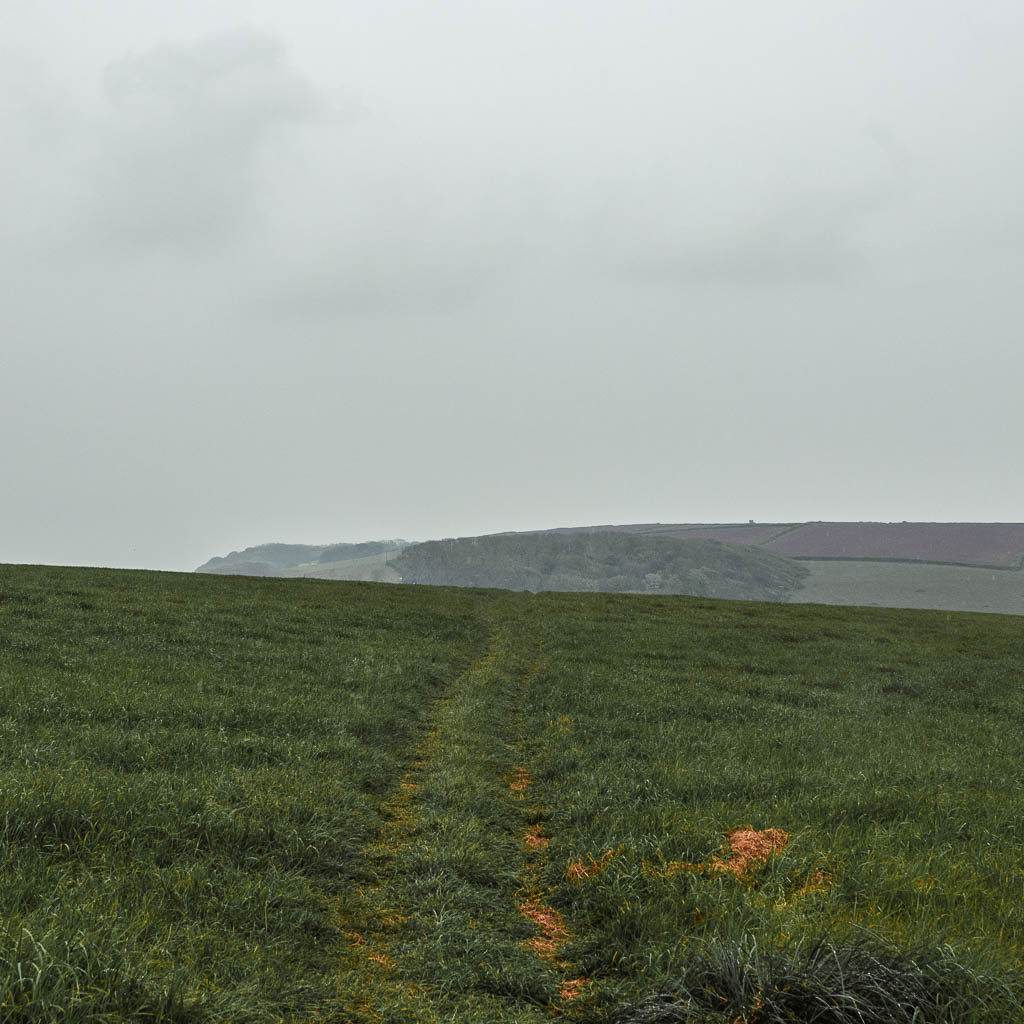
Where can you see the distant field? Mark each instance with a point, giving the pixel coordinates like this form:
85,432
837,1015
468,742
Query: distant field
258,800
905,585
755,535
986,544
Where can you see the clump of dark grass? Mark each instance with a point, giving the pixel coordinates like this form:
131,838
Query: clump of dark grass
818,982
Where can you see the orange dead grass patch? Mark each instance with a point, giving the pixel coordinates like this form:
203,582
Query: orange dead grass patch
749,850
572,988
534,839
551,924
577,871
520,780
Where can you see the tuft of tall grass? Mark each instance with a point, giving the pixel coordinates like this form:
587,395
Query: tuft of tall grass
818,982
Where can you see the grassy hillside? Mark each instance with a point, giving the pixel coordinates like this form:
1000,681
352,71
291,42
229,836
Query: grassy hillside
323,561
263,559
369,569
606,562
262,800
908,585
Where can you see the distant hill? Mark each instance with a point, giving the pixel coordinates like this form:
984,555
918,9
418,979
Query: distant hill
298,559
608,562
949,566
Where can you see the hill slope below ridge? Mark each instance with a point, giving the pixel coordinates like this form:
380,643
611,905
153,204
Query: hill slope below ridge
990,545
286,559
957,588
605,562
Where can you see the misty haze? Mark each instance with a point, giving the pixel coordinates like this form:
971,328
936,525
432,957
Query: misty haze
344,273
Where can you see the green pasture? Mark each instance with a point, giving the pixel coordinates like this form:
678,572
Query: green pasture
232,799
886,743
190,767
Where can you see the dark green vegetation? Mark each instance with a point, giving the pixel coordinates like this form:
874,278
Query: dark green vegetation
606,562
260,800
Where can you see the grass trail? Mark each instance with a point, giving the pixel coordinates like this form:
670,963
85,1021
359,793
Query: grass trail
438,933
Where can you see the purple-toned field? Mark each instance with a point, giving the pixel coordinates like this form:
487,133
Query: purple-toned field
988,544
992,545
755,535
728,533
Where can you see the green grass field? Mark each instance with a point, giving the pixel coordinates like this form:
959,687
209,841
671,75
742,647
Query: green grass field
234,799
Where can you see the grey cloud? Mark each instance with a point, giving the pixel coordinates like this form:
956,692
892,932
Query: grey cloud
185,128
379,242
784,245
40,135
348,287
401,262
816,237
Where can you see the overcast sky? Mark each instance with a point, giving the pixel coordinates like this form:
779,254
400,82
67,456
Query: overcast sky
350,269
